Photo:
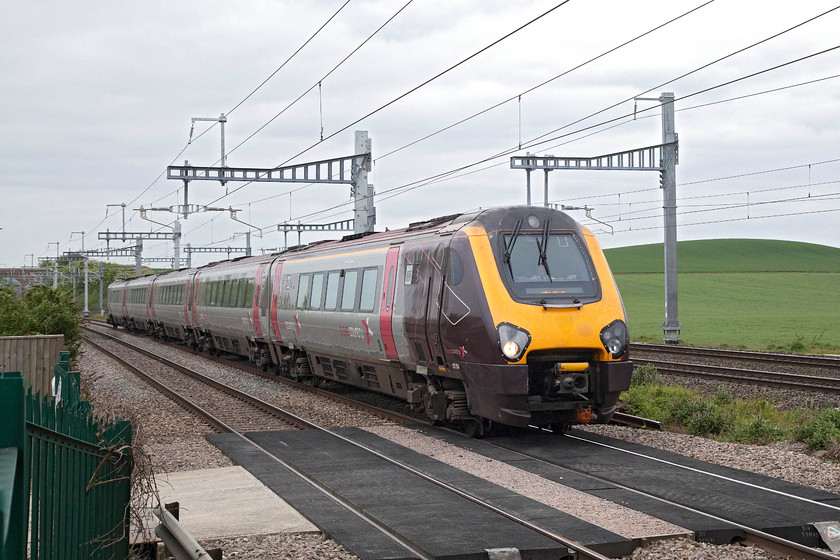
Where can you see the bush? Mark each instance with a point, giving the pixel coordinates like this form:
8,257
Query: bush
41,310
822,432
709,419
644,375
724,396
759,431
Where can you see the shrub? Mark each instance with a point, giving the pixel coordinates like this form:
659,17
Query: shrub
822,432
41,310
709,419
724,396
759,431
644,375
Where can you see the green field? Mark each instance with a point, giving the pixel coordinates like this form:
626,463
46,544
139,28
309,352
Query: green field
736,293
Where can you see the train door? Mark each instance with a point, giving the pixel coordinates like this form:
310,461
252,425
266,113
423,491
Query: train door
422,286
276,286
386,307
433,304
187,301
259,315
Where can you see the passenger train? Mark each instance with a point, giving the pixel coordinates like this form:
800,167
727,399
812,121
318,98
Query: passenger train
506,315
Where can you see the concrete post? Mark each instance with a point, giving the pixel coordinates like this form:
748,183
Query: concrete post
362,204
176,246
671,326
138,258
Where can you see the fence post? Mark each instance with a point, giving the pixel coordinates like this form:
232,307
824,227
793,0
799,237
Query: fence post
13,442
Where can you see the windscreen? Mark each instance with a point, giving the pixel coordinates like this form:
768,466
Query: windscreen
548,265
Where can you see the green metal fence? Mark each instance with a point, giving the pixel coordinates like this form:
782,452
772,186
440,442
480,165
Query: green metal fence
65,477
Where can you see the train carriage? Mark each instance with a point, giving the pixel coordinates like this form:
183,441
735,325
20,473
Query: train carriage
133,308
169,297
115,303
223,306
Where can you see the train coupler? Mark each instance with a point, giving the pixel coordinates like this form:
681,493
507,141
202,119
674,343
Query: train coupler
585,415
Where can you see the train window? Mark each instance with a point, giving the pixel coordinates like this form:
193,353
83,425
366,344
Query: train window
235,293
224,298
303,291
348,294
456,268
317,290
368,299
213,293
332,291
554,265
250,288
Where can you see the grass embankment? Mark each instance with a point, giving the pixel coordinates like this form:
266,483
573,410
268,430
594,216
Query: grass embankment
735,293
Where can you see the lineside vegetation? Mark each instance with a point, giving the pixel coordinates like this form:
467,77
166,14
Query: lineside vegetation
724,418
41,310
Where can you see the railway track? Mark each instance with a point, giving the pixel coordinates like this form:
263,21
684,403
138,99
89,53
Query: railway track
225,408
787,371
683,498
752,536
263,416
831,363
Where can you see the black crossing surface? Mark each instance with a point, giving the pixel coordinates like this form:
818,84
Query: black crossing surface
435,520
616,476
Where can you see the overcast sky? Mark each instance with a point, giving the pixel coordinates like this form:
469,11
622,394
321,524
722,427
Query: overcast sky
98,98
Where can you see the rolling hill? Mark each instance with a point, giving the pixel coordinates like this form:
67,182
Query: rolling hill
728,255
740,293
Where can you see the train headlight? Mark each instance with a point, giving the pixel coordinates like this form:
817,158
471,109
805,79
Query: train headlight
615,338
513,341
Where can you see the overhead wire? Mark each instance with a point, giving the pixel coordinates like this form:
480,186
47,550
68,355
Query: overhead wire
236,106
529,90
439,176
446,174
412,90
537,140
518,96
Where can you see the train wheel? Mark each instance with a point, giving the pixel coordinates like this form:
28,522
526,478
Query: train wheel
559,428
477,427
312,381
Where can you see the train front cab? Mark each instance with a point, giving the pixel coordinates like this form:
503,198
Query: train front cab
556,350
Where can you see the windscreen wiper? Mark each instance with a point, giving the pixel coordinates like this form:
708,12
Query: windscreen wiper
543,247
514,235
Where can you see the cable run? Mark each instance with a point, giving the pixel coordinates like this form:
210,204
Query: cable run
235,107
412,90
318,84
546,82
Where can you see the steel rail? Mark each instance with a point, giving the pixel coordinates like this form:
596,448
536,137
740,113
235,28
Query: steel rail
636,421
771,543
581,550
768,378
222,427
829,362
213,420
383,413
774,542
